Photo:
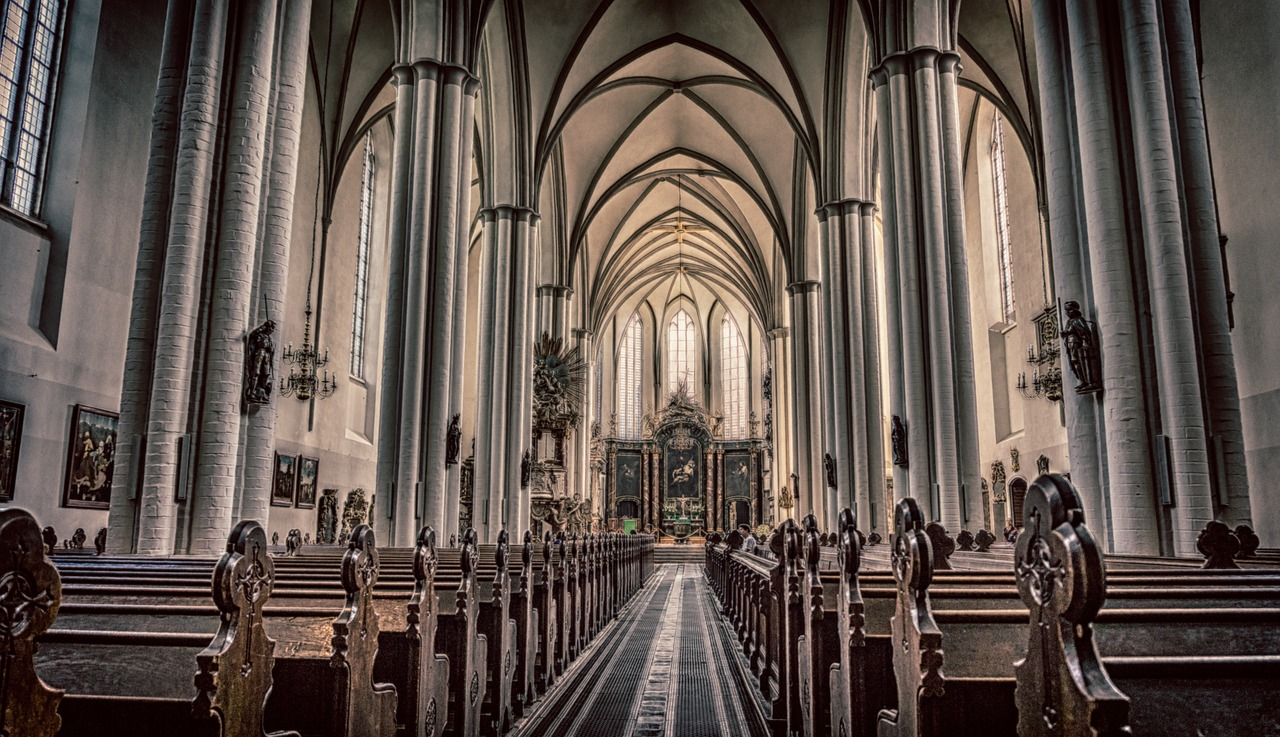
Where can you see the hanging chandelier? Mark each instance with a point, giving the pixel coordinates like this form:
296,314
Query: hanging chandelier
303,380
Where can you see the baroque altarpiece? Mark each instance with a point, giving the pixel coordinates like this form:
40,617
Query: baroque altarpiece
681,478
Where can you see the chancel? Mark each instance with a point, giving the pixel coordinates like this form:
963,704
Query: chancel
639,367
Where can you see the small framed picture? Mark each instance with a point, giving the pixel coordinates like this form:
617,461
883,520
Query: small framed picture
91,458
285,479
308,471
11,415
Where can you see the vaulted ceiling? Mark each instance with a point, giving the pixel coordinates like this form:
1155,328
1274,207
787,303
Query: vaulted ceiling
671,146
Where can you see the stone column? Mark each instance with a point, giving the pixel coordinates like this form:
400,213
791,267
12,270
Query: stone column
504,389
174,350
276,234
780,363
806,394
931,357
218,448
581,455
1172,311
852,398
153,239
1086,433
553,309
1221,389
431,185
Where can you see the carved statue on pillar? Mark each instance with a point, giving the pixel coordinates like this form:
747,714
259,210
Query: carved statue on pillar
898,437
1081,341
453,441
526,467
829,464
1042,465
259,358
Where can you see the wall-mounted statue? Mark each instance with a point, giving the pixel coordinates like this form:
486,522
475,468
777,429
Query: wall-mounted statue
898,440
829,464
1013,460
997,473
354,510
1042,465
453,441
327,521
1081,340
259,359
526,469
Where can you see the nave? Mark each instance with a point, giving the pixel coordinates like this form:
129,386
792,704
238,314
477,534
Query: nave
665,668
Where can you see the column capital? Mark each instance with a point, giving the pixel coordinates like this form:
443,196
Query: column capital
920,57
803,287
851,205
427,68
554,290
779,333
581,333
509,212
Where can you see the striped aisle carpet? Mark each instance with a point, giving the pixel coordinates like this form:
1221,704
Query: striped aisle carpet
666,667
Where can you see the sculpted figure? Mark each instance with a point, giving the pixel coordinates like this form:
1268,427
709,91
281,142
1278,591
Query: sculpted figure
260,355
1081,344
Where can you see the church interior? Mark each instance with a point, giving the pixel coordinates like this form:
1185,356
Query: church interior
639,367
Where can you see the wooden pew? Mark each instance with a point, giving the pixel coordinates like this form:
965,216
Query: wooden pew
458,637
30,593
1150,615
234,672
1068,644
337,696
409,659
544,602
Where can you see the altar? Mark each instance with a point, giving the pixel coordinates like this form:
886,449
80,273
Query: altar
681,478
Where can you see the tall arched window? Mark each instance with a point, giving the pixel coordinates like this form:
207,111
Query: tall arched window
599,403
628,404
1002,219
733,379
360,302
682,335
28,59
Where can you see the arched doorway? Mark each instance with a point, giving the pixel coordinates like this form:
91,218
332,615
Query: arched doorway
1017,493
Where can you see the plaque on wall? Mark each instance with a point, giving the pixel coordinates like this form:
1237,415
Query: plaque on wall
308,471
283,480
91,459
11,415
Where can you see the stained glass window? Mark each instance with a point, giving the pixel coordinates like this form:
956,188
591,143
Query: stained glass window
28,53
733,379
629,379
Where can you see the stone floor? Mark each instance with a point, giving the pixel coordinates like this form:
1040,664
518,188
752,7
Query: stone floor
666,667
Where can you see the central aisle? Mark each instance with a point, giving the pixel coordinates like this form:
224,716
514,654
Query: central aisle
664,668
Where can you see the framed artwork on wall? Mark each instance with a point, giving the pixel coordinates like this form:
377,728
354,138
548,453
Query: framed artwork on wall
91,458
284,480
11,415
308,471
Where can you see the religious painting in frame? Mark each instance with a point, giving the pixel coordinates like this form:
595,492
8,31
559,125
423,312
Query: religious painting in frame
284,480
11,416
627,484
308,472
737,468
683,461
91,458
